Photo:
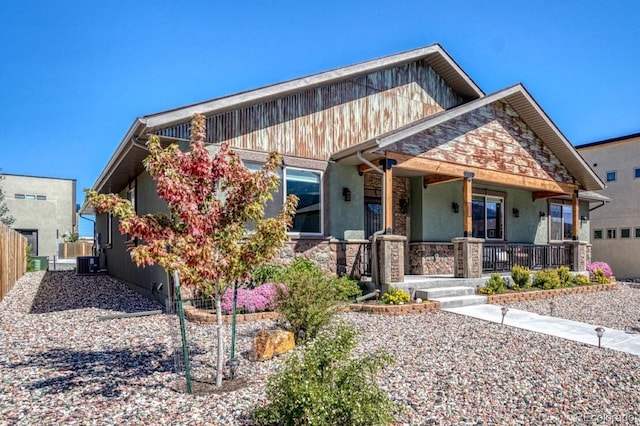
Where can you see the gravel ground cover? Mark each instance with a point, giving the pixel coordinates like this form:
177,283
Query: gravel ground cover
60,365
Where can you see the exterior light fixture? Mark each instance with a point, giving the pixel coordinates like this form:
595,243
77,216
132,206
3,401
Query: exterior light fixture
346,194
455,207
516,212
599,333
504,311
233,365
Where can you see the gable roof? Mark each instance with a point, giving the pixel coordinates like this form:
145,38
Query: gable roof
434,55
126,163
528,109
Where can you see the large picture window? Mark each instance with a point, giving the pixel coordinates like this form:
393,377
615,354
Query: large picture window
307,186
560,222
487,217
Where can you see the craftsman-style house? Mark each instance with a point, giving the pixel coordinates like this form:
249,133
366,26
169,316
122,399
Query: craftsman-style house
404,153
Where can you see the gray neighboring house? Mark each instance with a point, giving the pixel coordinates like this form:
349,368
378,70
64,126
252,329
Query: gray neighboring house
44,208
402,164
616,225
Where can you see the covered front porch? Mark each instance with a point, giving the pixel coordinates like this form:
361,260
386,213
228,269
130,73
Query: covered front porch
491,184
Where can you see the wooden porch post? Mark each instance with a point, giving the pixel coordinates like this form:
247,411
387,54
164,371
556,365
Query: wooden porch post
575,207
387,164
466,205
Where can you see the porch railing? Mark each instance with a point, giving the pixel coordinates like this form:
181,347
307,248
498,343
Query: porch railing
502,257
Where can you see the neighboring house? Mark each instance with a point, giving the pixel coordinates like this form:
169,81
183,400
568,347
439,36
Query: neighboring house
44,208
616,225
405,149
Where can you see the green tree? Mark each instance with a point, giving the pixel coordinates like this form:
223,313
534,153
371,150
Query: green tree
5,217
211,199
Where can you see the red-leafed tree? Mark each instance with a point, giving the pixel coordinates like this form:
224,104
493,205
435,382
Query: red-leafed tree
211,198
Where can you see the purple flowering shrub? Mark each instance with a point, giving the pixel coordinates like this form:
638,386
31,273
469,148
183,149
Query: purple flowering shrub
604,267
261,298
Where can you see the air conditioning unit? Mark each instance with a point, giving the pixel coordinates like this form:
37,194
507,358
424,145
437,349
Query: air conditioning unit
87,265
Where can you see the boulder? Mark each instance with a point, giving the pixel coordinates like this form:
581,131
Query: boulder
268,343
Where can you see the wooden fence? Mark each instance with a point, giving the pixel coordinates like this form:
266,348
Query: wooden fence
73,250
13,258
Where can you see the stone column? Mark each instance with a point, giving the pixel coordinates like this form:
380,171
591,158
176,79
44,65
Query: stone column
467,254
391,259
581,253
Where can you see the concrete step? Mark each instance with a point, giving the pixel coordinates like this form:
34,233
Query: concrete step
433,293
458,301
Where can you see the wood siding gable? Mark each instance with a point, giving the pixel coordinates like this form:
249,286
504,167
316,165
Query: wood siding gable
319,121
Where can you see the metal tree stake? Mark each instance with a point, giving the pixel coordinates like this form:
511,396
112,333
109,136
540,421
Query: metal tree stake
233,326
183,332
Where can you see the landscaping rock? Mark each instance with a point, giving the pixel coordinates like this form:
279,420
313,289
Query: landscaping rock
268,343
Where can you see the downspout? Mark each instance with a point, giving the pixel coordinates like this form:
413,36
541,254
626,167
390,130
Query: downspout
375,279
597,207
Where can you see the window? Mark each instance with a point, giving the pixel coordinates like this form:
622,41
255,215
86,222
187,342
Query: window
625,233
637,232
131,194
560,222
30,197
109,229
307,186
487,217
636,172
611,234
597,234
611,176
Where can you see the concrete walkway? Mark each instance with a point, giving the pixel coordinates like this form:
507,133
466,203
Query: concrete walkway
566,329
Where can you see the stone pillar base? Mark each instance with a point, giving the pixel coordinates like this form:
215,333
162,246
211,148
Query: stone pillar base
467,254
581,253
391,259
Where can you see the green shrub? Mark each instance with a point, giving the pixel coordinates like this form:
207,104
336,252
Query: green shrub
308,300
581,280
395,296
600,277
547,279
324,385
564,274
495,285
30,264
521,276
267,273
347,289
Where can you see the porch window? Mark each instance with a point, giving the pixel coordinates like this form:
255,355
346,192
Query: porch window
307,186
560,222
487,217
372,215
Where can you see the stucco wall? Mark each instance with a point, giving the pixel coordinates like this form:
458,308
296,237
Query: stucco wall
52,217
623,212
116,257
346,218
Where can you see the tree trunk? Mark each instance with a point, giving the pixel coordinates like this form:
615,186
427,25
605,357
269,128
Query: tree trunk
219,363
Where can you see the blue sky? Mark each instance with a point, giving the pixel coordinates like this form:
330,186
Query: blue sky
74,74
